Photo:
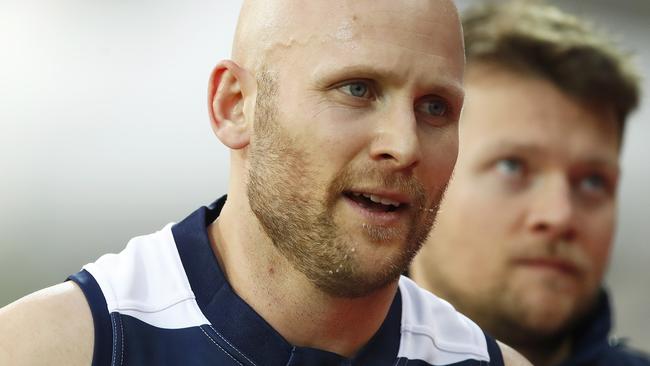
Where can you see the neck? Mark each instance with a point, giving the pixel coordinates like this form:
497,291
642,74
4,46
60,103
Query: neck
303,314
546,355
538,352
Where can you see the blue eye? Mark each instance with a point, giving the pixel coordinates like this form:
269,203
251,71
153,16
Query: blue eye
356,89
510,166
437,108
433,107
593,182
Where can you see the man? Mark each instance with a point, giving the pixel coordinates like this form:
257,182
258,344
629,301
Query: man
342,121
524,234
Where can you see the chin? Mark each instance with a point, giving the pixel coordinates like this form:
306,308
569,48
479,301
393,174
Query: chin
548,315
357,284
548,321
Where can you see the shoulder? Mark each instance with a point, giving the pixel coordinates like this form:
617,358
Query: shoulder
512,357
146,281
54,324
432,329
621,354
60,323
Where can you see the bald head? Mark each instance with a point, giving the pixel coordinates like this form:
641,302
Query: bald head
309,47
268,30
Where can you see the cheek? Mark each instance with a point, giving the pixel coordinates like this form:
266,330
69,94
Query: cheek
492,216
596,222
472,234
472,263
598,242
327,142
481,223
338,131
439,155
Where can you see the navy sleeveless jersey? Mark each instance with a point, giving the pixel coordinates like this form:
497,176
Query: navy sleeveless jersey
164,301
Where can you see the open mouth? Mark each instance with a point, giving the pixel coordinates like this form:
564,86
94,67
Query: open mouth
375,203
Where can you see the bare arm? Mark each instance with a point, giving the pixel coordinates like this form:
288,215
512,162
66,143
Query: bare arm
53,326
512,357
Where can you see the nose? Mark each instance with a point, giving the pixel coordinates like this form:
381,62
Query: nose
396,141
551,212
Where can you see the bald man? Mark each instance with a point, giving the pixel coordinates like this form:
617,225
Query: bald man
341,117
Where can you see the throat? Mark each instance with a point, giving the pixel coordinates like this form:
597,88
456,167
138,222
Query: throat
340,326
541,354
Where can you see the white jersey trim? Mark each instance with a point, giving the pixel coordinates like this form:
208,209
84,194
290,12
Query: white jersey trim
147,281
156,292
434,332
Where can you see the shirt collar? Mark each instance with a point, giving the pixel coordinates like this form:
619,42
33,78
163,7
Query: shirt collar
591,335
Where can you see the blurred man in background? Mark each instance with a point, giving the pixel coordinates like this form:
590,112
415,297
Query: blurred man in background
524,232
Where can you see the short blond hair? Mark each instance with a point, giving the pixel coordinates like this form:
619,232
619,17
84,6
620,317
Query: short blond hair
536,38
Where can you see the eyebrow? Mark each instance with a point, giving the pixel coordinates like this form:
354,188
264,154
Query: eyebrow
503,147
537,149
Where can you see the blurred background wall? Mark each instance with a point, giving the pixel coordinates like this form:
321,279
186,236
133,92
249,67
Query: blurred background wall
104,134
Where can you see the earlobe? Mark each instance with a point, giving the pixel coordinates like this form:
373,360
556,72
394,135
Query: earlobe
230,88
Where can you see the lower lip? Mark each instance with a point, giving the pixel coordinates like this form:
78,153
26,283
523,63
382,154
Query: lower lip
377,217
549,265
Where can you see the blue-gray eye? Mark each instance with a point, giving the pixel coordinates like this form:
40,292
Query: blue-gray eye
510,166
593,182
356,89
436,108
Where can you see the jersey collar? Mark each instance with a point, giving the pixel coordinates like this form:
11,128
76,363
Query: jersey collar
240,325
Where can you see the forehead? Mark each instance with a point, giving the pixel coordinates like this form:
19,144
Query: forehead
511,109
422,26
393,33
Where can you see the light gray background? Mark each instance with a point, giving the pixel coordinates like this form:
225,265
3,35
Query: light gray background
104,134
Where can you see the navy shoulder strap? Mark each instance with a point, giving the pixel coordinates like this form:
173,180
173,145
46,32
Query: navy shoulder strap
102,353
496,357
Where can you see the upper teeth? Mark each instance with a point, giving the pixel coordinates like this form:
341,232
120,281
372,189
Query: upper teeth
377,199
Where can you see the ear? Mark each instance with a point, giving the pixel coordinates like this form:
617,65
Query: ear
231,88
